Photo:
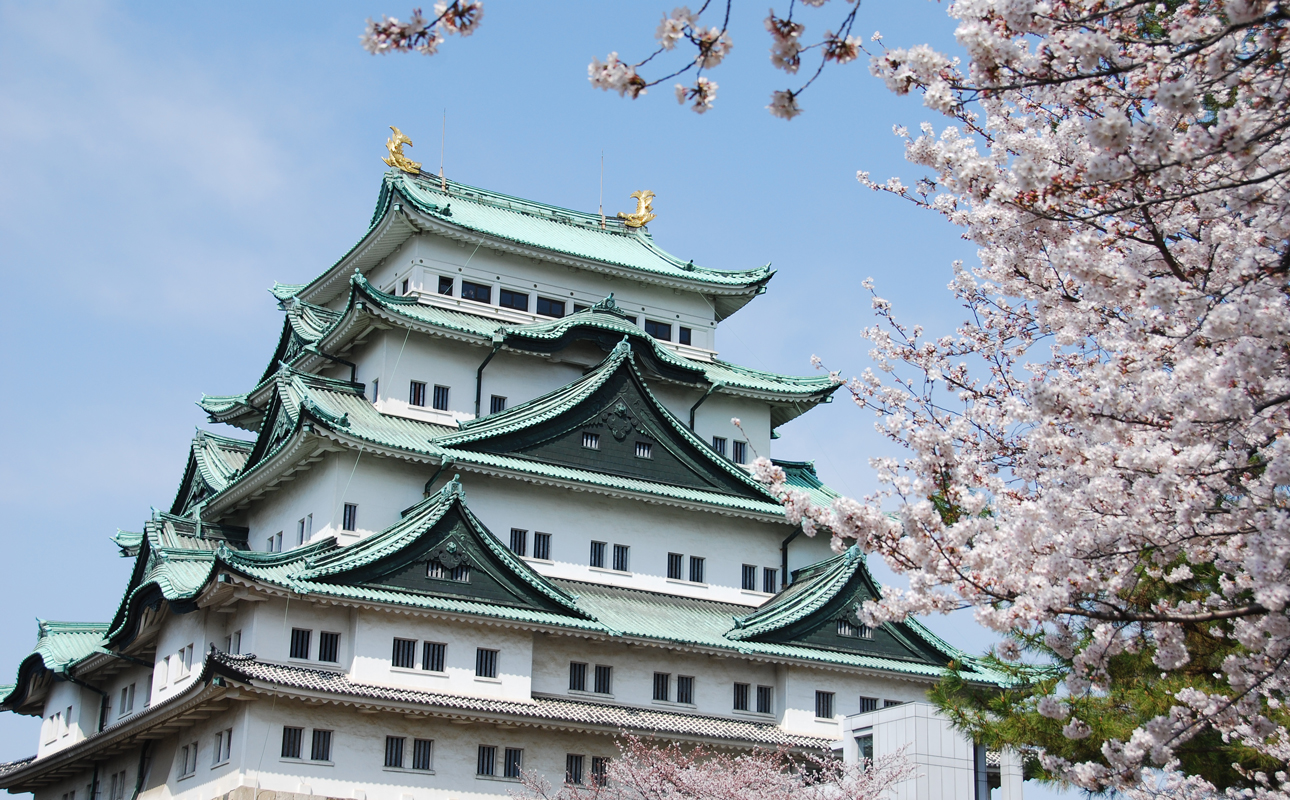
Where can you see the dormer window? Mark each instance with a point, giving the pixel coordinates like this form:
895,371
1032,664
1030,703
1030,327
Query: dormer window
854,630
644,450
459,573
659,330
591,441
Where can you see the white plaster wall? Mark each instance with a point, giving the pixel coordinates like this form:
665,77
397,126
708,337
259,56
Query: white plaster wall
57,733
575,519
799,685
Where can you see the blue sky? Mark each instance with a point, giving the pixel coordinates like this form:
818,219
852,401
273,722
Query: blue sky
162,164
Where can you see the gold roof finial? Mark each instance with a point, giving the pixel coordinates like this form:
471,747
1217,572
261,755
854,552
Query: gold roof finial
644,210
396,158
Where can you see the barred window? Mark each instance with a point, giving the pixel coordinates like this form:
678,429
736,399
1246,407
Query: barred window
719,444
441,398
685,689
542,546
598,554
854,630
514,762
741,697
824,705
674,561
868,704
459,573
321,746
291,739
577,676
769,580
417,393
644,450
485,663
349,519
749,578
599,770
765,700
432,655
620,557
591,441
423,754
662,686
329,647
573,769
604,679
696,569
405,653
519,541
497,404
394,751
300,642
739,452
486,762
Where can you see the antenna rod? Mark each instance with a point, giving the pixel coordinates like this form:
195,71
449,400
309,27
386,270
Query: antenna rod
443,134
602,189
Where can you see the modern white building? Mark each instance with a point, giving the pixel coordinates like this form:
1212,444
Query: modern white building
488,510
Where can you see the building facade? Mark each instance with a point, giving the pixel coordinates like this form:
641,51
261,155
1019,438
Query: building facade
487,509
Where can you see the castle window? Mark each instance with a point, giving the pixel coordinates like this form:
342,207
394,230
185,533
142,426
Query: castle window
765,700
423,754
513,763
598,554
577,676
223,747
579,307
868,704
300,643
394,751
542,546
329,647
599,770
516,300
497,404
621,562
441,398
854,630
432,656
684,336
404,288
674,561
477,292
741,697
685,689
349,518
485,663
417,394
404,655
739,452
604,680
719,445
445,285
591,441
187,766
890,703
291,739
696,569
769,580
749,578
573,769
659,330
662,686
519,541
550,308
376,389
321,746
644,450
486,762
824,705
127,700
459,573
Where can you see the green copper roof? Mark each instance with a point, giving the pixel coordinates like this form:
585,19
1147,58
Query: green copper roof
801,475
810,590
58,646
213,462
284,290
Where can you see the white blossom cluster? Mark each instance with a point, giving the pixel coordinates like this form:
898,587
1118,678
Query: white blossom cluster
1113,414
420,35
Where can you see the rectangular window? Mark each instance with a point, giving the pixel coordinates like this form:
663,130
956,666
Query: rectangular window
573,769
417,394
291,739
403,289
441,398
864,744
423,754
577,676
459,573
485,663
120,776
300,642
868,704
432,655
644,450
329,647
741,697
445,285
486,762
547,307
394,751
890,703
516,300
542,546
854,630
300,532
519,541
685,689
223,746
765,700
674,561
349,518
604,680
497,404
376,389
769,580
579,307
719,445
513,763
599,770
598,554
662,686
749,578
696,569
739,452
591,441
320,749
404,654
659,330
185,657
477,292
187,756
824,705
684,335
621,552
127,700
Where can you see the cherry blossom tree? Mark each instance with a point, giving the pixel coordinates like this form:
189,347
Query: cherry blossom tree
1097,460
644,770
